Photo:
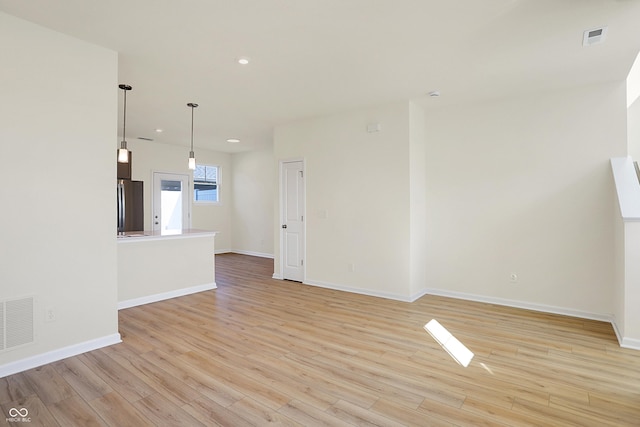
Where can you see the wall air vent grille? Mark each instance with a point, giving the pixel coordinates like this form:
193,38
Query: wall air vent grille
16,322
594,36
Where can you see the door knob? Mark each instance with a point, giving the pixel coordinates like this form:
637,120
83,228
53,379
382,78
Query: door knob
284,226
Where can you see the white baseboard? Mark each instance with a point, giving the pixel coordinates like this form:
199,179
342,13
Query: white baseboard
624,342
631,343
251,253
356,290
277,276
522,304
58,354
419,295
619,336
166,295
609,318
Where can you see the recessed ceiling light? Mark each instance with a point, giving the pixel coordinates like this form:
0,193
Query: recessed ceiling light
159,130
233,140
243,60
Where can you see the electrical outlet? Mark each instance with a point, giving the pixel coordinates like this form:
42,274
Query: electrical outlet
513,277
50,314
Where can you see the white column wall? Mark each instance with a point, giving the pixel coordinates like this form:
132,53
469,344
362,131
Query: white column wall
627,252
631,335
58,119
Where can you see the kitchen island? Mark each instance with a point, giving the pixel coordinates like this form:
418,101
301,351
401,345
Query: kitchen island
153,266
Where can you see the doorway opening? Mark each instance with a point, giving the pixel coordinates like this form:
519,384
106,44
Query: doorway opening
171,203
292,212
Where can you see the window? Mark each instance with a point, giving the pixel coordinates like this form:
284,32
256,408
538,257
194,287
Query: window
205,184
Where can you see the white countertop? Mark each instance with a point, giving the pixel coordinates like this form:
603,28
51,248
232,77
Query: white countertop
138,236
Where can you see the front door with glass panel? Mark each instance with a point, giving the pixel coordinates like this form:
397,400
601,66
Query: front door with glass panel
171,212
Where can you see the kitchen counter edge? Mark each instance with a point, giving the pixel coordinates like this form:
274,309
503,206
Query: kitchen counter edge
141,236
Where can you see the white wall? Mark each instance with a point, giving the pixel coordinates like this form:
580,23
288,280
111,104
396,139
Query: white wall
58,119
357,198
523,185
252,197
418,232
149,157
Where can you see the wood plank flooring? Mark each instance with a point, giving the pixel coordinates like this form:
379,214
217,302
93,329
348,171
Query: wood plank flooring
258,351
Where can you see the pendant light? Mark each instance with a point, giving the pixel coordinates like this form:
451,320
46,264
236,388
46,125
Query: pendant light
123,152
192,157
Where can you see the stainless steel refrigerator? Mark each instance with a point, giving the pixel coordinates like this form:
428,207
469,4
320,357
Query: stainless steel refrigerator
130,206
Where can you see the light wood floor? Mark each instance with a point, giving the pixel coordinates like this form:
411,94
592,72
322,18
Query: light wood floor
258,351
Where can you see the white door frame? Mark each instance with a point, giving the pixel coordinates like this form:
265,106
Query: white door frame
189,195
281,218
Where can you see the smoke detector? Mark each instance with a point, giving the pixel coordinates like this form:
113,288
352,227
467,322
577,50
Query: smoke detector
594,36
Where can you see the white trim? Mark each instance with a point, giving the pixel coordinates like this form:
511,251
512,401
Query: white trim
58,354
619,336
166,295
630,343
368,292
251,253
277,276
523,304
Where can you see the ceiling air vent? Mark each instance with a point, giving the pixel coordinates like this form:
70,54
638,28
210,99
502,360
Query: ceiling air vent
594,36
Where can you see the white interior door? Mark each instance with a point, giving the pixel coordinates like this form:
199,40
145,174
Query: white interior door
171,203
292,221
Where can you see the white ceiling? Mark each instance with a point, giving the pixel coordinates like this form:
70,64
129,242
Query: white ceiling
315,57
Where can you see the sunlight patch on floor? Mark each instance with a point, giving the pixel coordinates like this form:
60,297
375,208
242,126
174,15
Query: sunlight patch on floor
451,344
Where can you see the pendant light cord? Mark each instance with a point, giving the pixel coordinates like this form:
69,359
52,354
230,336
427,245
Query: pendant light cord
124,119
192,105
124,88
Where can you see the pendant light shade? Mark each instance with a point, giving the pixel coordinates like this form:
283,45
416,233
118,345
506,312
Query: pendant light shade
123,152
192,157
